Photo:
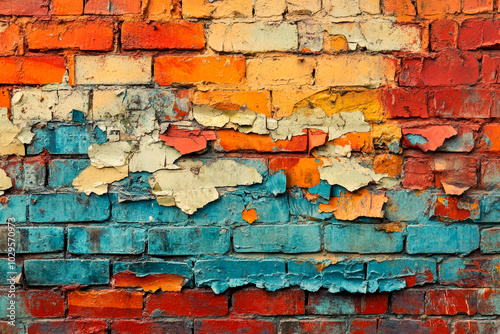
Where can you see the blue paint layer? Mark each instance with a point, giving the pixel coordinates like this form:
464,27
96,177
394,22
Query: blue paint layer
469,272
416,139
14,207
34,239
270,209
301,208
407,205
188,240
62,172
8,269
490,208
437,238
145,211
66,272
226,209
106,240
34,175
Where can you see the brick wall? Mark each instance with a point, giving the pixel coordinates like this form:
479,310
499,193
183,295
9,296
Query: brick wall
250,166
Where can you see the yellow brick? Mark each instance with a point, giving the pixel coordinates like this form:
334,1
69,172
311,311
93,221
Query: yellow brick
280,71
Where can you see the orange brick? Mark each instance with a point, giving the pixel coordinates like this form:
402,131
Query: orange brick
105,304
300,172
477,6
390,164
490,141
80,35
230,140
399,8
222,69
113,7
4,98
32,70
359,141
168,35
10,39
67,7
257,101
433,7
159,10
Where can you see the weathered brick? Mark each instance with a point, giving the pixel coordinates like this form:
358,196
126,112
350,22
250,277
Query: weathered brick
402,9
177,69
443,34
453,208
34,70
364,326
406,103
25,8
9,269
319,326
33,239
477,6
33,303
269,8
68,207
464,141
432,7
303,7
323,302
361,238
188,303
491,69
418,174
402,272
112,7
478,33
456,171
490,208
105,303
369,71
277,238
476,326
133,326
460,239
490,141
280,71
106,240
62,272
112,70
67,7
234,326
256,301
342,8
490,240
216,9
468,272
162,35
256,101
34,173
461,103
144,269
10,39
68,326
188,240
145,211
450,302
407,326
14,207
408,302
62,172
5,98
253,37
488,301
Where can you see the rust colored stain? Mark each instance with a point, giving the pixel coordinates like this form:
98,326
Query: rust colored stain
454,208
152,282
389,164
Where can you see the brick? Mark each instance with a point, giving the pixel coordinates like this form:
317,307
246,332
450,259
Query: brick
406,103
188,303
476,326
162,10
369,71
145,211
457,171
62,172
364,326
132,327
389,164
7,328
234,326
280,71
256,301
34,239
13,207
452,208
10,39
490,240
112,70
105,304
407,326
217,9
343,8
113,7
411,68
418,174
319,326
34,173
106,240
79,35
5,98
490,207
400,8
369,6
269,8
177,69
468,272
300,172
461,103
25,8
303,7
432,7
326,303
478,34
146,268
253,37
488,301
491,69
162,35
460,239
9,269
188,240
443,34
490,141
277,239
68,326
61,272
477,6
256,101
67,7
70,208
408,302
33,303
35,70
403,205
464,141
450,302
348,238
230,140
402,272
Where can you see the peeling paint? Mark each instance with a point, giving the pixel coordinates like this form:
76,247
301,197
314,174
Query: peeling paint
151,282
96,180
348,173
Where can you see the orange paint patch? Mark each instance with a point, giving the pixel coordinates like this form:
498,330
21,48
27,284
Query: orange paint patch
152,282
359,141
351,205
257,101
315,138
300,172
4,98
249,215
230,140
389,164
187,141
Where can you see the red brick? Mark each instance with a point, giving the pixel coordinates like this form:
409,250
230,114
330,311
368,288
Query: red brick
491,69
408,302
400,102
188,303
433,7
443,34
68,326
316,326
166,35
449,208
220,69
429,326
410,71
67,7
44,303
487,301
461,103
113,7
418,174
450,302
490,141
78,35
450,68
324,302
479,33
11,39
4,98
24,8
236,326
458,170
6,328
477,6
469,272
105,304
32,70
136,327
476,327
300,172
258,301
364,326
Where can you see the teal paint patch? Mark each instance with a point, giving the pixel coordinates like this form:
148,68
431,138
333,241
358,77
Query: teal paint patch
227,209
9,269
14,207
62,172
188,240
270,209
405,205
490,208
135,188
34,239
66,272
469,272
442,239
106,240
415,139
490,240
144,211
301,208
